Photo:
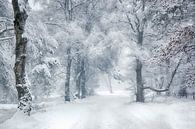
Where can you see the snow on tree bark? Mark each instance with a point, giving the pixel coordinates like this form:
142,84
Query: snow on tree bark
20,17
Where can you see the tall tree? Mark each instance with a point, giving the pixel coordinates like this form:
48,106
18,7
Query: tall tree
68,72
20,17
66,7
137,20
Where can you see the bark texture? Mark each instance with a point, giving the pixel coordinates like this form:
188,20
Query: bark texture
140,89
83,79
20,17
67,7
78,75
68,71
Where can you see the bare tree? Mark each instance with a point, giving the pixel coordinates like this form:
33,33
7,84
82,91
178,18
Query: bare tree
66,6
137,25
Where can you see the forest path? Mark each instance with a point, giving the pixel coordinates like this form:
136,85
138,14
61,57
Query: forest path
115,112
108,112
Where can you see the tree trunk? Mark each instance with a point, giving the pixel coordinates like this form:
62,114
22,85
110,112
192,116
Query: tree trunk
78,76
20,17
109,83
83,79
68,10
167,74
68,70
140,89
161,84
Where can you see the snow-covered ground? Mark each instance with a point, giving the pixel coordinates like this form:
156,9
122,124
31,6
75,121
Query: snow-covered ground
7,111
108,112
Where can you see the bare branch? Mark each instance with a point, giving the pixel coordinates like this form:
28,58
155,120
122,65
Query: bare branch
78,5
128,18
156,90
6,38
169,84
4,19
137,23
6,29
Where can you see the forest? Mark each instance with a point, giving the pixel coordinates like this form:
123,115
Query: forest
97,64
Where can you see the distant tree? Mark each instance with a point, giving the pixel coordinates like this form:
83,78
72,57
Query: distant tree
163,17
42,62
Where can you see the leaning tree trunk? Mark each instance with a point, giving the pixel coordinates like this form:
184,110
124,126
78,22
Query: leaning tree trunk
140,89
68,70
167,74
20,17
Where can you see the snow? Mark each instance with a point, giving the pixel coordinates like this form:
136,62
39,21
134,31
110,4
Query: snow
108,112
7,106
42,68
7,111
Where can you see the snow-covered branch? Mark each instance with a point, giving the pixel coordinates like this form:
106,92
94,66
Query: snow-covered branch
6,38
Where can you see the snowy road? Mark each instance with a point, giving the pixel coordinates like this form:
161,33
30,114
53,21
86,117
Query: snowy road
114,112
109,112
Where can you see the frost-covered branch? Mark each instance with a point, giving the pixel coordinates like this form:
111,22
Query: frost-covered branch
6,29
128,18
182,41
6,38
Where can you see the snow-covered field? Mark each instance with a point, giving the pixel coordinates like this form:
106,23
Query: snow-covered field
107,112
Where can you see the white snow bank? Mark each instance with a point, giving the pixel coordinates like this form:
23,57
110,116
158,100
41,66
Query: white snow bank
19,121
57,116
